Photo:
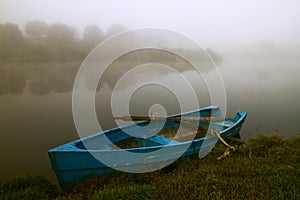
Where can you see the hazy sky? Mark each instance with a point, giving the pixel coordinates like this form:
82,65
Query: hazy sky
214,21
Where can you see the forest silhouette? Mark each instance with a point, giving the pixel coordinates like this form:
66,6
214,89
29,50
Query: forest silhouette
45,57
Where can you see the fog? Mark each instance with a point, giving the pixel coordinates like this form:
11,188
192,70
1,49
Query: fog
210,23
255,44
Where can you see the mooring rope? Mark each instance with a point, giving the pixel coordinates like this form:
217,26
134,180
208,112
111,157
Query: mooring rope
229,148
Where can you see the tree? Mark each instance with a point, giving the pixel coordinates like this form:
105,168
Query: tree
11,40
61,42
36,29
214,56
61,35
92,36
114,29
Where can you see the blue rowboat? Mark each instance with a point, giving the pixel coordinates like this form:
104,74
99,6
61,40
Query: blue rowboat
91,156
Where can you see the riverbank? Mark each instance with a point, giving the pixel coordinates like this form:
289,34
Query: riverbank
268,167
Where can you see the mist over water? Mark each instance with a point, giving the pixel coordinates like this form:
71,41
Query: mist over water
255,44
36,100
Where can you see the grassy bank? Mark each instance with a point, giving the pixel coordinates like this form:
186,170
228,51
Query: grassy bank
268,167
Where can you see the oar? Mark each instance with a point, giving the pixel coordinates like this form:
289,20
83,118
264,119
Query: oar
142,118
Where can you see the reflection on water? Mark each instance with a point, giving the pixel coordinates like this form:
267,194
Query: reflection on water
43,78
39,78
36,113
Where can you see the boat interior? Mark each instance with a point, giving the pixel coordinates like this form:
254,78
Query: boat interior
168,135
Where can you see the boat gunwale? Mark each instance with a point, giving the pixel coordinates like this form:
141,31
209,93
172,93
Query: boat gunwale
72,146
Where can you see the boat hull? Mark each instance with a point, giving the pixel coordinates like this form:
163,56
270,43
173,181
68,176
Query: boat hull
73,162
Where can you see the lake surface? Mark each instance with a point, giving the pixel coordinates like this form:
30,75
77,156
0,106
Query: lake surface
36,104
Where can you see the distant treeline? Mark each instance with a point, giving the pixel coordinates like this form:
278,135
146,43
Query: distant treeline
41,41
57,42
45,58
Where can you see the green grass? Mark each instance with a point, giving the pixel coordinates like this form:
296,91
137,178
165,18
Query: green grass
268,167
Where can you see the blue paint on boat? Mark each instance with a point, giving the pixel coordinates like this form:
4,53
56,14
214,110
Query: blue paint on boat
73,162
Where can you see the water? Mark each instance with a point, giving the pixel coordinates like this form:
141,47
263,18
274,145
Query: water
36,104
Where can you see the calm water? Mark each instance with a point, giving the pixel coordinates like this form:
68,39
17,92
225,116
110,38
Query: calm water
36,112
